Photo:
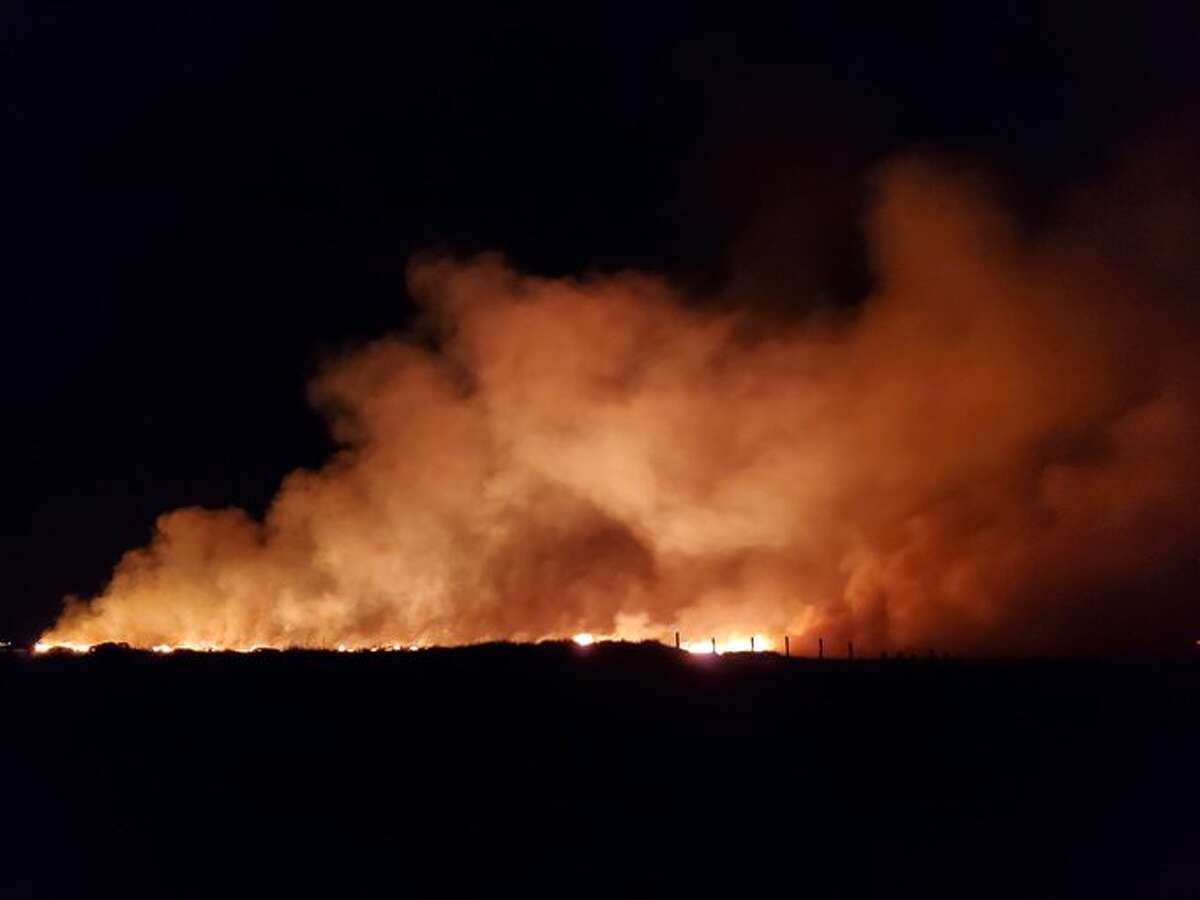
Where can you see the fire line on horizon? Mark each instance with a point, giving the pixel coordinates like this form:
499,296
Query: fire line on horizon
753,644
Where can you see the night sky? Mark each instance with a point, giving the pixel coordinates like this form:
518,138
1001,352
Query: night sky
204,201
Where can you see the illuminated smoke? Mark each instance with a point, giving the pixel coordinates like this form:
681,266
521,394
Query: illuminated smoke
999,451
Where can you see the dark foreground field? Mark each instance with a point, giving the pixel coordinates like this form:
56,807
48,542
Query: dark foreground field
608,771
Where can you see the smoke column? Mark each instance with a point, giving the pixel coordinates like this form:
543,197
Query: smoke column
999,451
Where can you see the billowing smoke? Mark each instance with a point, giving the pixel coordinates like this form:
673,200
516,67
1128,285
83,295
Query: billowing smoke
999,451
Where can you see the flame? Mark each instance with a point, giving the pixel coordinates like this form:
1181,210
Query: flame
755,643
70,646
46,646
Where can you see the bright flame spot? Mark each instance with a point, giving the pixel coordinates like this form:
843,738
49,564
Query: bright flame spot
163,648
583,639
46,647
736,644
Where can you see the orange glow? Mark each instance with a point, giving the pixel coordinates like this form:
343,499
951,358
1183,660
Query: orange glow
583,639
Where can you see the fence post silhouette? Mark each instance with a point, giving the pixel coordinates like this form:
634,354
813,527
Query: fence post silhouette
751,643
787,646
677,640
820,648
714,643
850,645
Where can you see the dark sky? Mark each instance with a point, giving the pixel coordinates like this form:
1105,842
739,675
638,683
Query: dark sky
203,201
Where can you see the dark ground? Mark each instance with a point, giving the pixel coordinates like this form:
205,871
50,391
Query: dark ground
612,770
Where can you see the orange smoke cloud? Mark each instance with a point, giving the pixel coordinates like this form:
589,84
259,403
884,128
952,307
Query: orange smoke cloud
1000,451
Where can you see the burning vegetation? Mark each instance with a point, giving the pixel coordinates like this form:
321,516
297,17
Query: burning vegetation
998,451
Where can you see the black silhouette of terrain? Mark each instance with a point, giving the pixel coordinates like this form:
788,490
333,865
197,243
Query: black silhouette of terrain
612,771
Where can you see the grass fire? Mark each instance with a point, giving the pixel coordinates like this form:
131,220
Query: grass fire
1003,433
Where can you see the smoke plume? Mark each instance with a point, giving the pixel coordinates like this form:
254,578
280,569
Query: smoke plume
998,451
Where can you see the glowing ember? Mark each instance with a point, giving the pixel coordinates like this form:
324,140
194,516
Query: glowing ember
584,639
